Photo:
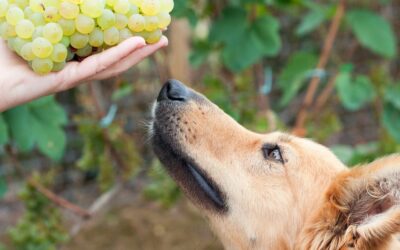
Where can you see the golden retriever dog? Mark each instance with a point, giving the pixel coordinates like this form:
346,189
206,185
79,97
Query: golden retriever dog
272,191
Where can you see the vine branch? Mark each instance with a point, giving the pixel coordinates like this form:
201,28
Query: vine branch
323,60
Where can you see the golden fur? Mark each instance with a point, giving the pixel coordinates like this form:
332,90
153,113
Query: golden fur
311,201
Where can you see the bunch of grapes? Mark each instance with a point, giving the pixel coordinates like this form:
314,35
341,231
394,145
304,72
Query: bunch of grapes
49,33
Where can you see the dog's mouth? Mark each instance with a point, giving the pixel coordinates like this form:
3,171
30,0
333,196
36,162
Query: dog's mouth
195,182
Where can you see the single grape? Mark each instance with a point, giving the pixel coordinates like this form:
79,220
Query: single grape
137,2
93,8
53,32
124,34
67,26
24,29
42,47
167,5
59,53
14,15
21,3
96,38
28,12
150,7
78,40
134,9
84,52
122,6
58,66
17,44
70,55
84,24
121,21
37,5
3,8
37,19
26,52
52,3
164,19
153,37
69,10
38,32
110,3
65,41
51,14
106,20
136,23
151,23
111,36
42,66
8,31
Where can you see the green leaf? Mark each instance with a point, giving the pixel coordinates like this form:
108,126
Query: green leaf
293,76
343,152
3,131
391,120
392,94
267,31
310,22
3,187
40,123
373,32
354,94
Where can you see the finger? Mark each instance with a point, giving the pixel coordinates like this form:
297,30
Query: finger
134,58
75,72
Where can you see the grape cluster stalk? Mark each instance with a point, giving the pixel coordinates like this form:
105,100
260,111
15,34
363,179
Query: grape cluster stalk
50,33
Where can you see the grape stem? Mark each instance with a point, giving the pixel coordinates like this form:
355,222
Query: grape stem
299,129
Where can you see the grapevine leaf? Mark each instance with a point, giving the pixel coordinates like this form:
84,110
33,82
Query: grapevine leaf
373,32
3,187
354,93
19,121
230,27
267,30
392,94
3,131
310,22
391,121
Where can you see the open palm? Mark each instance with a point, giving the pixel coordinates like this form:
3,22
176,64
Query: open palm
19,84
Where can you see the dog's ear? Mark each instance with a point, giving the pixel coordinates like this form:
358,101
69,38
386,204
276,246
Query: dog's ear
361,209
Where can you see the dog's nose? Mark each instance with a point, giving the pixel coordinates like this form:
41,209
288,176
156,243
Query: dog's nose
173,90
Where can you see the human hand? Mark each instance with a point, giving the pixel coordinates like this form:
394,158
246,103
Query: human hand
19,84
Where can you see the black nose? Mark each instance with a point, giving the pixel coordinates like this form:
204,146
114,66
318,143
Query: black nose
173,90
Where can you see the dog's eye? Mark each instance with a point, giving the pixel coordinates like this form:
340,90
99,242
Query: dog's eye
272,152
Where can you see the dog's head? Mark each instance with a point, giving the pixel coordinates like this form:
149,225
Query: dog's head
257,190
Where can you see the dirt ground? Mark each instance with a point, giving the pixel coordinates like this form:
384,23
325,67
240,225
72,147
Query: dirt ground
147,226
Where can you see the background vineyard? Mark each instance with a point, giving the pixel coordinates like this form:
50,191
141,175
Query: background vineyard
268,63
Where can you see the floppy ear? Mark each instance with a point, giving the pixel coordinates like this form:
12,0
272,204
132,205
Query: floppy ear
360,210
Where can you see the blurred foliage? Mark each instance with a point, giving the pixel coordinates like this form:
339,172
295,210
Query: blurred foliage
41,226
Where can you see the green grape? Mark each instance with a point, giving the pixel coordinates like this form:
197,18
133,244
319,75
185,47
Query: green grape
75,1
93,8
8,31
17,44
58,66
28,12
106,20
59,53
150,7
24,29
78,40
65,41
69,10
37,19
133,10
84,24
53,32
3,8
42,47
52,3
42,66
26,52
111,36
37,5
70,55
38,32
167,5
14,15
67,26
137,2
121,21
164,20
122,6
151,23
136,23
124,34
51,14
110,2
21,3
96,38
153,37
85,51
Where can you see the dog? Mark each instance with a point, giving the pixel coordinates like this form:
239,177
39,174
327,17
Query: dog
272,191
